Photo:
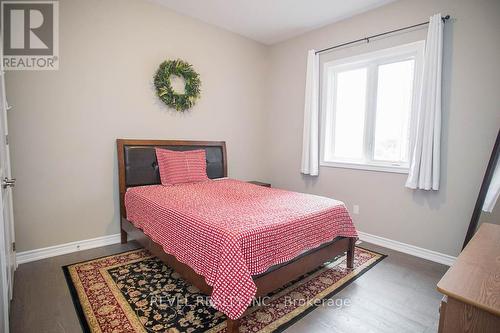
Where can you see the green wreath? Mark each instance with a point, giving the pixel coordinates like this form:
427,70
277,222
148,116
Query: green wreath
164,90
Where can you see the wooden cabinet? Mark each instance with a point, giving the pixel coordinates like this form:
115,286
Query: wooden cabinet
472,286
255,182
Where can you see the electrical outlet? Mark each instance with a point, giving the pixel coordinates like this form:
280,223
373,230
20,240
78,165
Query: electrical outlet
355,209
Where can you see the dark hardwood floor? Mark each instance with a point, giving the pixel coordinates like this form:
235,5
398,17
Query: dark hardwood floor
397,295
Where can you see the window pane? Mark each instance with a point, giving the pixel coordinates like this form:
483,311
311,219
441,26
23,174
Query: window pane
350,114
392,124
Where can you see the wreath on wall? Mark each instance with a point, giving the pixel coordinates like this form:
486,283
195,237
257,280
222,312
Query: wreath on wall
167,94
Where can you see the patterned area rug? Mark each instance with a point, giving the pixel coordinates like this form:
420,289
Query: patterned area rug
136,292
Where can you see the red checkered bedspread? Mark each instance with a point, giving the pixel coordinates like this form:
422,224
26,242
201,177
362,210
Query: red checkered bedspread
228,230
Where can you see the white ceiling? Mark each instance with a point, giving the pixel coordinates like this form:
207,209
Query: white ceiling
271,21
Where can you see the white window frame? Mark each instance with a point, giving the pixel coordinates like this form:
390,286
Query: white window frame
371,60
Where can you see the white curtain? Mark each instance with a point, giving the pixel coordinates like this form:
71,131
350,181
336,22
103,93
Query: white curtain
425,161
493,190
310,135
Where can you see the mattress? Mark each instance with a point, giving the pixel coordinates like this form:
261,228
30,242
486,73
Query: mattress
229,230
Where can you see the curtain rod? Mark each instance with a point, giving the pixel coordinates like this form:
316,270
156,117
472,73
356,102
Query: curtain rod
367,39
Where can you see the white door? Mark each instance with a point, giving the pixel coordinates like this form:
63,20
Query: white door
7,250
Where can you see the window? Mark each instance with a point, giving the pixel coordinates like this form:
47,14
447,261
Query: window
368,109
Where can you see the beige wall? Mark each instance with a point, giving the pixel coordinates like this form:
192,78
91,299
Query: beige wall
64,124
471,118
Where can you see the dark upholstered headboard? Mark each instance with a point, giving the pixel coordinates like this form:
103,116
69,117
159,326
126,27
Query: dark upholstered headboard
137,164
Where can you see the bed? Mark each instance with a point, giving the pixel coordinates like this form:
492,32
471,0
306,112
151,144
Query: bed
230,239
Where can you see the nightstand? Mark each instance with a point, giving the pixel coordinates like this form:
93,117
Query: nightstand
259,183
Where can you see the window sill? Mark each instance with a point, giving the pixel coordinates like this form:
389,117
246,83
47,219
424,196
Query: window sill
368,167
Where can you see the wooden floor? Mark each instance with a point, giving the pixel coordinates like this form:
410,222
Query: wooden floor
397,295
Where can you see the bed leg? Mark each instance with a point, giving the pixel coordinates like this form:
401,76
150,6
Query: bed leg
232,326
123,236
350,253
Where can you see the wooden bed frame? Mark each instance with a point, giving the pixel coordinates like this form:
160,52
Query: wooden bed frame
266,282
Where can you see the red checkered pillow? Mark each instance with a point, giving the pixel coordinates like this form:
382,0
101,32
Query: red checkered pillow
181,166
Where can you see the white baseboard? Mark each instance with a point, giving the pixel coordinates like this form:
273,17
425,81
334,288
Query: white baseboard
408,249
57,250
